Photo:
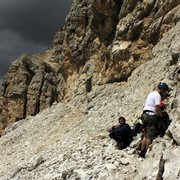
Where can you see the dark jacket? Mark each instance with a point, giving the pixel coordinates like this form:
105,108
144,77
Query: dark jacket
122,133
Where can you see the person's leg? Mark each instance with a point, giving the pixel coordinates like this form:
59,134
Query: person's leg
114,135
120,145
118,138
148,142
143,139
143,144
150,134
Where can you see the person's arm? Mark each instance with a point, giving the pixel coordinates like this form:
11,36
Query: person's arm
157,105
112,128
158,110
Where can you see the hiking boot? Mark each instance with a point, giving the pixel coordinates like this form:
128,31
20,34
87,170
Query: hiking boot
120,146
142,154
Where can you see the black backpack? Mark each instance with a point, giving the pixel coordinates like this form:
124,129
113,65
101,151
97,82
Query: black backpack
137,128
163,123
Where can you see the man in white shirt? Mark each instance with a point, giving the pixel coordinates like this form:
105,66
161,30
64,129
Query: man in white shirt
150,115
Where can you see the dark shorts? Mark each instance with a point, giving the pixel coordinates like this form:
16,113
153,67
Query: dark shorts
150,126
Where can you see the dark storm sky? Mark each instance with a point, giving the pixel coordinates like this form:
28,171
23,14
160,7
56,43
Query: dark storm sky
28,26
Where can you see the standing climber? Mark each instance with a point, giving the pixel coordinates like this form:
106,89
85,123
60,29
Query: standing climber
151,112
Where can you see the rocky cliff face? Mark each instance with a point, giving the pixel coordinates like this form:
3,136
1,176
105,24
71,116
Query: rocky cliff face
100,43
102,64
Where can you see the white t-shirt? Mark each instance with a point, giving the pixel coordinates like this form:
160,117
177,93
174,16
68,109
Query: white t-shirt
153,99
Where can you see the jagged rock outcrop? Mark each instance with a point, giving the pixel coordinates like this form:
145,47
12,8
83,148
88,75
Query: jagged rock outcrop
30,86
102,64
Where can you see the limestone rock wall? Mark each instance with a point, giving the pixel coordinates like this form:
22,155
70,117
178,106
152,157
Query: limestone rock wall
30,86
100,43
104,42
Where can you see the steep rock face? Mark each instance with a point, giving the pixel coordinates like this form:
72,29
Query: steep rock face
116,36
29,87
100,43
107,41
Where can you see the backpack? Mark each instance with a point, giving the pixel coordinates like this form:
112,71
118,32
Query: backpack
163,123
137,128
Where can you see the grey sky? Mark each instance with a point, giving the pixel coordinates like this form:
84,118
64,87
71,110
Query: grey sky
28,26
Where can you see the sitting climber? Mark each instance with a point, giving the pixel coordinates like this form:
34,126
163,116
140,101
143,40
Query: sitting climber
121,133
164,121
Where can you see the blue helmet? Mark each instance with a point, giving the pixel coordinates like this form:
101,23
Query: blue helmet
163,86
